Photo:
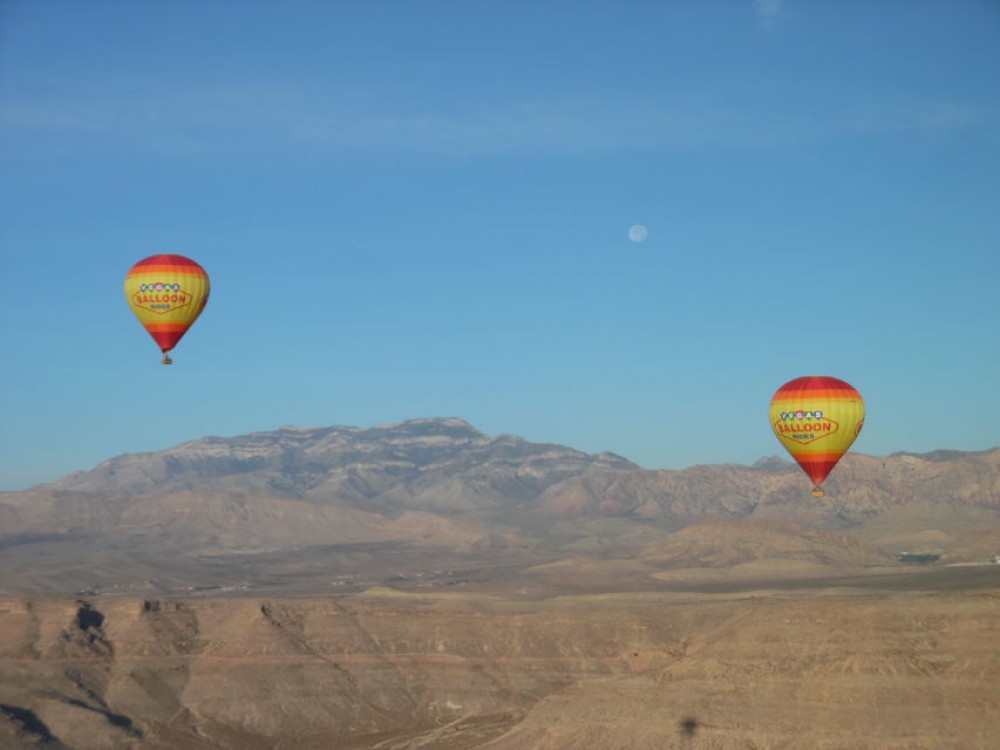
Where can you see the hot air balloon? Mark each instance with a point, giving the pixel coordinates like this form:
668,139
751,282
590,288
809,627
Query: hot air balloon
167,294
817,418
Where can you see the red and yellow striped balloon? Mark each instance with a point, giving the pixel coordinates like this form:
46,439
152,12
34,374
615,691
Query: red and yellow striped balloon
167,294
817,419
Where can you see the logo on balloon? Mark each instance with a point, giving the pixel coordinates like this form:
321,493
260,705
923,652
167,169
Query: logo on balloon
804,427
161,298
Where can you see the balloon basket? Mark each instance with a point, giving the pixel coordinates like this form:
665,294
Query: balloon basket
818,492
166,360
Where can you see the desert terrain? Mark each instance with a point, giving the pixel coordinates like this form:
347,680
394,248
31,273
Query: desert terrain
423,585
829,667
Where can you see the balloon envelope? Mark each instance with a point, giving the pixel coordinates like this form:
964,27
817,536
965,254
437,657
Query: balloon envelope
817,419
167,294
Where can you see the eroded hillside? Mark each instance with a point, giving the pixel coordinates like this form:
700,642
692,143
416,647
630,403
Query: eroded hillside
389,671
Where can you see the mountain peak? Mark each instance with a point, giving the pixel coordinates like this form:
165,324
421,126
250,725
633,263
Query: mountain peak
432,426
320,463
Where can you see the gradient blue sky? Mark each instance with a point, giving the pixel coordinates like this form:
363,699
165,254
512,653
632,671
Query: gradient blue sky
414,209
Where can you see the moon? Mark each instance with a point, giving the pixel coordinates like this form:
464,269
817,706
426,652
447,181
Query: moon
637,233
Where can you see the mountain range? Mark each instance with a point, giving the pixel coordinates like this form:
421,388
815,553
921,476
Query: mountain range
433,502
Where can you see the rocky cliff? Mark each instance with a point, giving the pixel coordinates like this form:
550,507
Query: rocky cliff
387,671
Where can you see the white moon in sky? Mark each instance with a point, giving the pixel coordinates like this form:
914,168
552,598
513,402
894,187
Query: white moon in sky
637,233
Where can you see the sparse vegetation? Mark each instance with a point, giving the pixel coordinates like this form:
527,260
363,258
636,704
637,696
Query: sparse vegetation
918,558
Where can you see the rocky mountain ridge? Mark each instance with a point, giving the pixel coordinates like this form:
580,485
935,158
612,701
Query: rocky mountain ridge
436,494
345,464
411,463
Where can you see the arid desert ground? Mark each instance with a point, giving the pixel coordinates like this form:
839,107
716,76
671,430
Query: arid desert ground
426,587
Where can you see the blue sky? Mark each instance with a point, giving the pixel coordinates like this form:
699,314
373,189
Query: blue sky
415,209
